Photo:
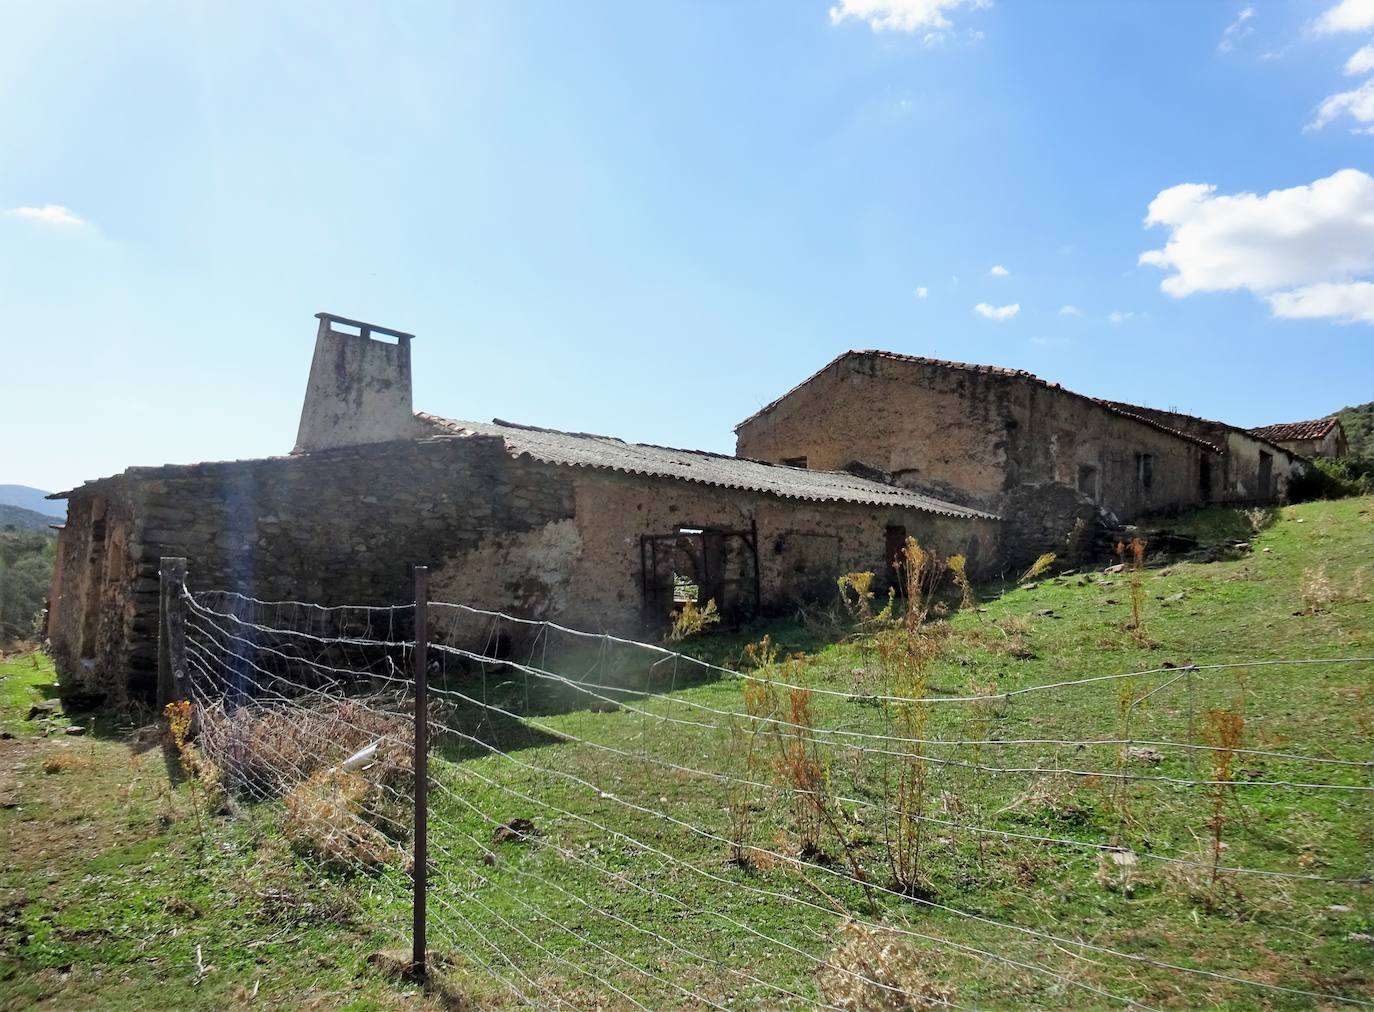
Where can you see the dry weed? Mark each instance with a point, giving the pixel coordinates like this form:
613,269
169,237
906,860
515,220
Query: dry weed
267,750
878,970
325,818
65,762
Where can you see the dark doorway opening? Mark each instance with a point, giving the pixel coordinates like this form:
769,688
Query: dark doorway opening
699,565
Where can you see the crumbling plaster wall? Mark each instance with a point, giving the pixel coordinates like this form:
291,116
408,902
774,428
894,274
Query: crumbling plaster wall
938,429
973,435
1235,475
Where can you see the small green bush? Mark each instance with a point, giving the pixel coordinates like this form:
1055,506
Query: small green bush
1333,478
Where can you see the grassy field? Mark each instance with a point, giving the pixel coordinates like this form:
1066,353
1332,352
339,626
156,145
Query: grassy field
123,891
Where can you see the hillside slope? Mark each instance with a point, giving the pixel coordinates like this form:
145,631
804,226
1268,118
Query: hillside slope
1358,423
21,519
1085,844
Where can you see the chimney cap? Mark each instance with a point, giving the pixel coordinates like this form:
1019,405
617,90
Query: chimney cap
364,329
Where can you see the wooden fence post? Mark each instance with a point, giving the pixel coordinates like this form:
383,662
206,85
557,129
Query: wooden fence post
420,853
171,639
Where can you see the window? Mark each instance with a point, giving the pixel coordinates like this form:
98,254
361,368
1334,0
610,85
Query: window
1087,481
794,461
1145,469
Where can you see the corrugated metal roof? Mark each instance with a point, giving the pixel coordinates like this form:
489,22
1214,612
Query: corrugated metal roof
1318,428
582,449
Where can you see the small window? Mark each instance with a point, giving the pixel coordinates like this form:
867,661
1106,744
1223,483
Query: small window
1087,481
1145,469
794,461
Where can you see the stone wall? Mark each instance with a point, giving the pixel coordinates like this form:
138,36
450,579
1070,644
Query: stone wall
339,526
977,435
1238,478
590,572
510,534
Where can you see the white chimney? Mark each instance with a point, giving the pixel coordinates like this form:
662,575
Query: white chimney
359,389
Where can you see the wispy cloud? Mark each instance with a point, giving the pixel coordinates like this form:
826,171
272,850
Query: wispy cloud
1120,316
926,17
922,292
999,313
1236,30
1067,310
998,271
1357,103
1361,61
48,214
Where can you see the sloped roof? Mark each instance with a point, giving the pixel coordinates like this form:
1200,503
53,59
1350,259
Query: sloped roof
584,449
1318,428
992,370
1252,433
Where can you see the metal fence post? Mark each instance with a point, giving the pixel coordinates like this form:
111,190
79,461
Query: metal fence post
171,639
420,854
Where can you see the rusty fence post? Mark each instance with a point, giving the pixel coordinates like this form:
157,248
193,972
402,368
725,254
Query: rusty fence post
171,638
420,854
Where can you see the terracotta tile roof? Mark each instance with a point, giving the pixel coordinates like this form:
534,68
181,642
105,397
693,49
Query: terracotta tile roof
584,449
1318,428
993,370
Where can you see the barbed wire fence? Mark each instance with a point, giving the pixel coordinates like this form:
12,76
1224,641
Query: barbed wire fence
600,822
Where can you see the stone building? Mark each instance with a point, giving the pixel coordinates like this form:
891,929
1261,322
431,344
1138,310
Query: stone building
1045,458
587,529
1322,437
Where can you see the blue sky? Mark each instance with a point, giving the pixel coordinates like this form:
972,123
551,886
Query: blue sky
649,219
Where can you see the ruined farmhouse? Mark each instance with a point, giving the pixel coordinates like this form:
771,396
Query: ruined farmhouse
1043,458
1321,437
610,535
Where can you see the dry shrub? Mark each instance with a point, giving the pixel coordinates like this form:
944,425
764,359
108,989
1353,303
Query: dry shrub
1039,567
266,750
958,568
1224,895
325,818
1225,732
878,970
693,620
65,762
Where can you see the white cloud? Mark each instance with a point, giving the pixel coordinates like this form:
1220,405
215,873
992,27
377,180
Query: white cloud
1359,103
999,313
1361,61
925,16
922,292
1351,302
1236,30
49,214
1070,311
1346,16
1118,316
1306,249
998,271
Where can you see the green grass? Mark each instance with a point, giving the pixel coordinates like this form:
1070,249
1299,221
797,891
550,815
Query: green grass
623,836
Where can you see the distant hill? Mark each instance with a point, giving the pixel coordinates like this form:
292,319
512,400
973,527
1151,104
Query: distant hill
20,519
32,499
1358,423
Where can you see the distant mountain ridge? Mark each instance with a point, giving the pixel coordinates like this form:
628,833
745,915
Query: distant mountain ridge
29,498
25,520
